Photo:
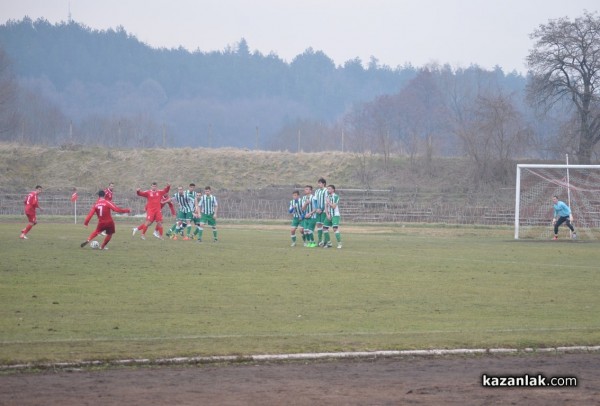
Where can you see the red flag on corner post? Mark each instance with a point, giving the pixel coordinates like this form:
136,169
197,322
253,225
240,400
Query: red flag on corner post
74,196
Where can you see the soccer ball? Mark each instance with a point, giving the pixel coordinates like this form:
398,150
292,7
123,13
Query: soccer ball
94,245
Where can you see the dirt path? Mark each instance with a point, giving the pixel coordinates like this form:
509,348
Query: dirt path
383,381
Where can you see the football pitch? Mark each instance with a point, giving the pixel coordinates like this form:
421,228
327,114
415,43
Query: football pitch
389,288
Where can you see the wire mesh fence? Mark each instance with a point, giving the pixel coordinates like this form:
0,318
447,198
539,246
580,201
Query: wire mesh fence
251,206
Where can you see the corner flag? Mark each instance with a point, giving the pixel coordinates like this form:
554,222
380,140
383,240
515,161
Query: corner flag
74,201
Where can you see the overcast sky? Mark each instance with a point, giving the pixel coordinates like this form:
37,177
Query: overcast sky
419,32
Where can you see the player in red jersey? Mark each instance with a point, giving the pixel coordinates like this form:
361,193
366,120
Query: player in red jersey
153,208
108,192
102,209
31,204
108,195
166,199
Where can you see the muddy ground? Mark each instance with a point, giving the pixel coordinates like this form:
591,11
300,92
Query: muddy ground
377,381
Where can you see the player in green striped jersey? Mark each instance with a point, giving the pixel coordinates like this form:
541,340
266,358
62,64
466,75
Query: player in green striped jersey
186,201
297,213
191,195
320,196
180,219
309,204
207,207
333,217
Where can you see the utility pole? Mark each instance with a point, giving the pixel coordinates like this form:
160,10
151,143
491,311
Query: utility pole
256,138
298,140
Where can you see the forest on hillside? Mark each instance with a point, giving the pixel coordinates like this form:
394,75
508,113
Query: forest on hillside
68,84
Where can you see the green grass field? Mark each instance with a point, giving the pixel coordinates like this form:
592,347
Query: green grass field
389,288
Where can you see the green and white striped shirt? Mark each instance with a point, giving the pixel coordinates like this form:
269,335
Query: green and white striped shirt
310,205
334,198
296,208
321,195
186,201
207,204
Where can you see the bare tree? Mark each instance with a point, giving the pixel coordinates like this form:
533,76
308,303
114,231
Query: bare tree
565,65
135,131
41,120
501,133
493,132
377,121
385,125
361,145
422,114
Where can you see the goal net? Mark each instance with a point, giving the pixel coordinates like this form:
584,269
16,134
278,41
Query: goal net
576,185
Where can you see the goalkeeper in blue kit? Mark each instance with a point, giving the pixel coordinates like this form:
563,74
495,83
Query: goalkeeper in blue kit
562,214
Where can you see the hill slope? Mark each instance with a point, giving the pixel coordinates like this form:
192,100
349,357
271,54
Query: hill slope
88,169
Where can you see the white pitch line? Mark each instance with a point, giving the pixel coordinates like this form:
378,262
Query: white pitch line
303,356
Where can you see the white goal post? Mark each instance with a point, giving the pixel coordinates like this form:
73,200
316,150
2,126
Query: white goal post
577,185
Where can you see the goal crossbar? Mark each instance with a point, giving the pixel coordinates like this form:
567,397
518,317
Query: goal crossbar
538,166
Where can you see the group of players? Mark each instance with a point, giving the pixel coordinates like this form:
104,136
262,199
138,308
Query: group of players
316,211
194,208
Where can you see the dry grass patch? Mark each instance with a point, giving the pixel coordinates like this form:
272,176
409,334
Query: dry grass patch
90,168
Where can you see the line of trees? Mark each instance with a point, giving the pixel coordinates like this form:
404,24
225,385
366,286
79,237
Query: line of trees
66,83
197,96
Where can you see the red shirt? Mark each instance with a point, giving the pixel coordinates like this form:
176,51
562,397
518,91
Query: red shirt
154,198
108,194
166,199
31,202
102,209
